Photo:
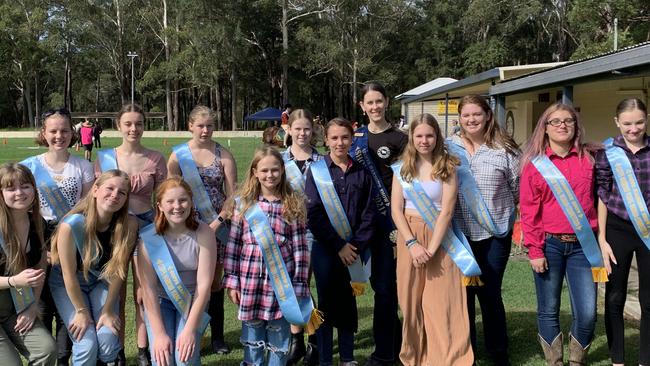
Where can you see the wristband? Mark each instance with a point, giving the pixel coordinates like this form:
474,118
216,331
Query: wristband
411,242
9,282
220,219
80,310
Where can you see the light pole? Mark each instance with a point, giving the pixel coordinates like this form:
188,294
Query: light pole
133,55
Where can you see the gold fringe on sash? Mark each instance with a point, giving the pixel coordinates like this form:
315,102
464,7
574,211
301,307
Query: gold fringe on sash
315,320
599,274
472,281
358,288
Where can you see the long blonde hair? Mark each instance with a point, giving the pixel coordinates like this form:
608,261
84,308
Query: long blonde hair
14,256
444,165
123,237
293,203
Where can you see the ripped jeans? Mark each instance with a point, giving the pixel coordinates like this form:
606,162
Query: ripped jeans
260,336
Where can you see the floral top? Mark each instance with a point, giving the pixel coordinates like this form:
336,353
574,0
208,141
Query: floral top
245,270
213,178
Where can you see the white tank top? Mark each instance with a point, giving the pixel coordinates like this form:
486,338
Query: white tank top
433,189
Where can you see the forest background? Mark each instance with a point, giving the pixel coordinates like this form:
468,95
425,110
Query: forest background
238,56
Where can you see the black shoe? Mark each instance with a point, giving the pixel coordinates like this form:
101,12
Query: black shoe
296,349
220,347
144,357
63,361
311,356
121,358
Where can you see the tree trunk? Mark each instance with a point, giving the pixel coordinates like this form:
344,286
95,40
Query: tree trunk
175,98
97,87
217,105
233,98
28,101
37,100
285,55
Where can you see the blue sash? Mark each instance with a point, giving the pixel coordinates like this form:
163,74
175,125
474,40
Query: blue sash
454,241
193,178
47,187
630,191
107,159
296,311
468,188
22,297
360,269
294,175
570,205
77,224
170,280
360,153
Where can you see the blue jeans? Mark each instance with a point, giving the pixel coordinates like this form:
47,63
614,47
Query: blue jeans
566,259
174,323
386,326
260,336
101,344
325,334
492,257
145,218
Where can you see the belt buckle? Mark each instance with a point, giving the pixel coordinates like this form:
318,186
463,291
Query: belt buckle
568,237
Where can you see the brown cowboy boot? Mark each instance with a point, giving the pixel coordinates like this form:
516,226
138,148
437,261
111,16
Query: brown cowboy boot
577,353
553,353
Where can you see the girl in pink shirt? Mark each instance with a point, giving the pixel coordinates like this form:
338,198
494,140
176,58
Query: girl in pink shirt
553,249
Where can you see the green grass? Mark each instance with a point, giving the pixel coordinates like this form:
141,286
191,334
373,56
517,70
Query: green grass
518,289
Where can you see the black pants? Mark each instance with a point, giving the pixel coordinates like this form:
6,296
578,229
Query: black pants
492,257
625,242
49,313
98,141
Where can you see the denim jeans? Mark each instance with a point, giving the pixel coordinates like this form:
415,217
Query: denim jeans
386,326
492,257
325,335
174,323
260,336
566,259
101,344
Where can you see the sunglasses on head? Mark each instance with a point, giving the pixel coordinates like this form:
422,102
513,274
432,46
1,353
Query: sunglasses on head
51,112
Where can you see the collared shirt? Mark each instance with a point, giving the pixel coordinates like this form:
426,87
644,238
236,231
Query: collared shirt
608,190
245,270
303,165
540,211
354,188
497,176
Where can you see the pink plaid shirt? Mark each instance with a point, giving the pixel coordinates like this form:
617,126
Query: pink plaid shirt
245,270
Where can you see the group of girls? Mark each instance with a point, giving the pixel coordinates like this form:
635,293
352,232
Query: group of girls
445,208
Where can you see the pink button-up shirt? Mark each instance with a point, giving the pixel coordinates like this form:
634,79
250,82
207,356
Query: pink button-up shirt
540,211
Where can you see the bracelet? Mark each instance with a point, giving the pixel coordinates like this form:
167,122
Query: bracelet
411,242
80,310
9,282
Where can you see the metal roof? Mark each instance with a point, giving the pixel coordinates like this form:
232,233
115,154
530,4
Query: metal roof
632,56
473,79
431,85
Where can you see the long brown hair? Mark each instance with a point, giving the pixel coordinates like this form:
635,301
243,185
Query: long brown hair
14,256
293,203
131,107
123,237
494,135
538,141
444,164
161,221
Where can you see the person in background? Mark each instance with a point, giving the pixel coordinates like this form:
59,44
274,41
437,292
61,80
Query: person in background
489,179
86,134
210,170
556,157
23,264
62,180
624,220
97,134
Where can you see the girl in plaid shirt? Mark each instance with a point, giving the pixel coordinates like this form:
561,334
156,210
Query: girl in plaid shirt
264,327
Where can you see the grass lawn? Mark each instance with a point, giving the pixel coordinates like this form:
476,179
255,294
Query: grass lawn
518,288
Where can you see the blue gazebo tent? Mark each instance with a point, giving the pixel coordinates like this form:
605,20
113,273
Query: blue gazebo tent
266,114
